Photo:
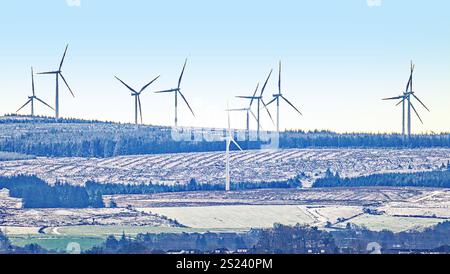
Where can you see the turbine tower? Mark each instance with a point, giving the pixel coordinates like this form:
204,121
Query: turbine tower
137,99
260,101
277,99
405,98
229,139
177,91
33,97
58,73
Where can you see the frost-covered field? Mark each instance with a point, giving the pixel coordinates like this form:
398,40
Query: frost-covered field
247,166
75,217
395,209
391,208
248,216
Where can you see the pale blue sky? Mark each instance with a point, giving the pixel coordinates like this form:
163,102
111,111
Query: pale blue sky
340,58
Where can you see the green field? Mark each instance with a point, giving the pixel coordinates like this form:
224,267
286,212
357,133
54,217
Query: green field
56,243
57,239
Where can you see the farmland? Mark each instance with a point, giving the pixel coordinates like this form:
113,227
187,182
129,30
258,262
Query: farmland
393,208
248,166
396,209
88,216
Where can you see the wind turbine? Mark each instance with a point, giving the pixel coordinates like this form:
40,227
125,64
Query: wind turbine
405,98
259,101
137,99
248,110
177,91
277,99
58,73
229,139
33,97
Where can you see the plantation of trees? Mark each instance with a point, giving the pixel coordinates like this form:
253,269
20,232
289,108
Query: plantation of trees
72,137
437,179
36,193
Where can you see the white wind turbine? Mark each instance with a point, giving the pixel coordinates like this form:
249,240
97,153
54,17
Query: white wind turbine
58,73
405,99
276,97
229,139
33,97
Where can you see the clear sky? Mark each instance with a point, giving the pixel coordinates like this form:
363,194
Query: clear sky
340,58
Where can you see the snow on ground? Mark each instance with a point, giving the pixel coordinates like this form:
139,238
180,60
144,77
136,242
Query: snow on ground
395,209
8,202
395,224
228,217
322,196
72,217
248,166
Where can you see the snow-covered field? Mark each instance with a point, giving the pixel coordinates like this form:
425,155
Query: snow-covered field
391,208
247,166
395,209
248,216
88,216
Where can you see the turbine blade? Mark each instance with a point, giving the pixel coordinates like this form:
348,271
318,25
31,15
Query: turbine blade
24,105
182,72
271,101
125,84
393,98
246,97
254,94
401,101
237,109
253,114
49,72
140,106
142,89
409,82
182,96
416,113
67,85
64,56
287,101
44,103
417,98
32,80
166,91
279,79
232,140
265,84
268,112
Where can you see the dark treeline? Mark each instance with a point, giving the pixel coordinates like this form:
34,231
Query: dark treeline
355,239
302,139
36,193
438,179
75,137
167,242
26,119
7,248
280,239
